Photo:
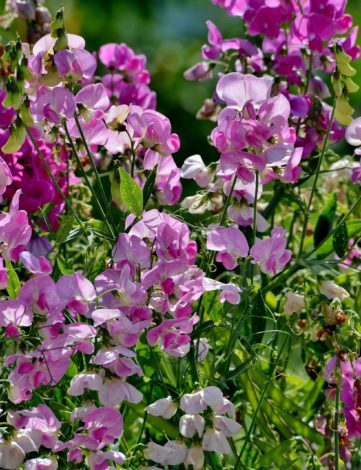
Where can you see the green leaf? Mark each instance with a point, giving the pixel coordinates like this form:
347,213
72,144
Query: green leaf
258,319
278,454
14,285
63,266
16,139
149,185
325,220
340,240
131,193
353,228
64,229
72,370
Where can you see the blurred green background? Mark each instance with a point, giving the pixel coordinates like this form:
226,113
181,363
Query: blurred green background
170,33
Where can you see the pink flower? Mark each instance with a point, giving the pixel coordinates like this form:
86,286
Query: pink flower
271,254
35,265
13,315
40,419
15,231
53,104
77,292
230,243
155,133
5,177
236,89
75,65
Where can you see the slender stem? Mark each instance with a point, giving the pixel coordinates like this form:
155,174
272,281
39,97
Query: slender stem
337,407
87,180
134,155
260,401
91,158
224,213
48,170
313,190
254,232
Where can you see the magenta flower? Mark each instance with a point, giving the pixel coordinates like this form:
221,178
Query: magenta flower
271,254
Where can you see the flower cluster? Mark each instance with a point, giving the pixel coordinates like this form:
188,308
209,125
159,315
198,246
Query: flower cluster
204,425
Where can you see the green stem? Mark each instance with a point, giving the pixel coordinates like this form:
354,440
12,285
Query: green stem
91,158
315,181
48,170
254,232
224,213
87,180
259,404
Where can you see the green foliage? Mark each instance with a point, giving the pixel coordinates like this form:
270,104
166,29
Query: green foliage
130,193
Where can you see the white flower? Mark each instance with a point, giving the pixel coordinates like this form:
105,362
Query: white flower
172,453
165,407
215,441
331,290
11,455
194,168
295,302
190,424
28,439
197,402
228,426
34,464
177,452
195,457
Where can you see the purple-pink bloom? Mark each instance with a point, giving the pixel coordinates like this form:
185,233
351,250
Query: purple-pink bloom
230,243
53,104
271,254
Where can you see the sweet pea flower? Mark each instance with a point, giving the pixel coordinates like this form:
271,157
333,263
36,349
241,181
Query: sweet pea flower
295,302
353,134
77,292
41,464
194,168
155,133
99,460
53,104
229,292
13,315
172,453
164,407
331,290
15,231
216,441
197,402
5,177
236,89
230,243
271,254
40,419
75,65
11,454
35,265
